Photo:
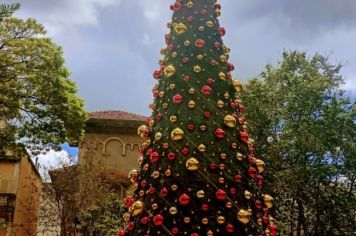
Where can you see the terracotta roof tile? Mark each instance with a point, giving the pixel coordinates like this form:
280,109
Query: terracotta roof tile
116,115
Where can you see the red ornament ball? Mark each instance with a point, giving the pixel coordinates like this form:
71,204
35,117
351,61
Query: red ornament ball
184,199
207,114
186,78
207,90
154,157
252,172
158,220
177,99
144,220
221,31
220,133
171,156
230,228
199,43
185,151
156,74
220,195
244,137
164,192
175,231
191,127
205,207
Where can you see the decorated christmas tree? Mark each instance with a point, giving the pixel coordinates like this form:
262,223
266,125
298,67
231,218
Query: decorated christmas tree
199,175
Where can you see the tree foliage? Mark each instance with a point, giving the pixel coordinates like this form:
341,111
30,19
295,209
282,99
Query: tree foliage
305,130
38,101
81,198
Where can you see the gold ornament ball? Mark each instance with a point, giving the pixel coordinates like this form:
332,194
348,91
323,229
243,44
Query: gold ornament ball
205,221
268,201
237,85
192,164
126,217
244,216
173,210
169,71
201,194
191,104
223,58
133,174
202,148
190,4
177,134
154,206
180,28
155,174
220,220
173,119
203,128
261,166
174,187
200,57
220,104
209,24
191,91
137,207
239,156
142,131
158,136
197,69
172,86
230,121
222,76
248,195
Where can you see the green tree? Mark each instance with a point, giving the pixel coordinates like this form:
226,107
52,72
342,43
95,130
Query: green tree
198,172
305,129
6,10
104,218
38,102
81,198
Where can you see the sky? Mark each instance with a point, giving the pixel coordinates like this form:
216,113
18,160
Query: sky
112,46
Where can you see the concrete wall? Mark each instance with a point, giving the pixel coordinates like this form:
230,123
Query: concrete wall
9,176
117,152
26,184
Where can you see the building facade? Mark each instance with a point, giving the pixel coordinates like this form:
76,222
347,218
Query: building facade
20,189
111,142
112,138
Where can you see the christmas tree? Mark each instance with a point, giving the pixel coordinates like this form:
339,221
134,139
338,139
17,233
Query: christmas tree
199,175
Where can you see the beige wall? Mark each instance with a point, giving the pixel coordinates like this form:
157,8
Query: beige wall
27,187
118,152
9,173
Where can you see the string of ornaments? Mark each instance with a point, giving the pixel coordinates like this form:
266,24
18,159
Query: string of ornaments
198,175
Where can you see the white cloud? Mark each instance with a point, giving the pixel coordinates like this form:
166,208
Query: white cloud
59,15
53,160
155,10
350,82
146,39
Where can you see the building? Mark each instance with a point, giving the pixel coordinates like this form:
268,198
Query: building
111,142
111,137
20,189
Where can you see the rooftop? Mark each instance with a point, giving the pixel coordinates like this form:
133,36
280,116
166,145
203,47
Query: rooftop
116,115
